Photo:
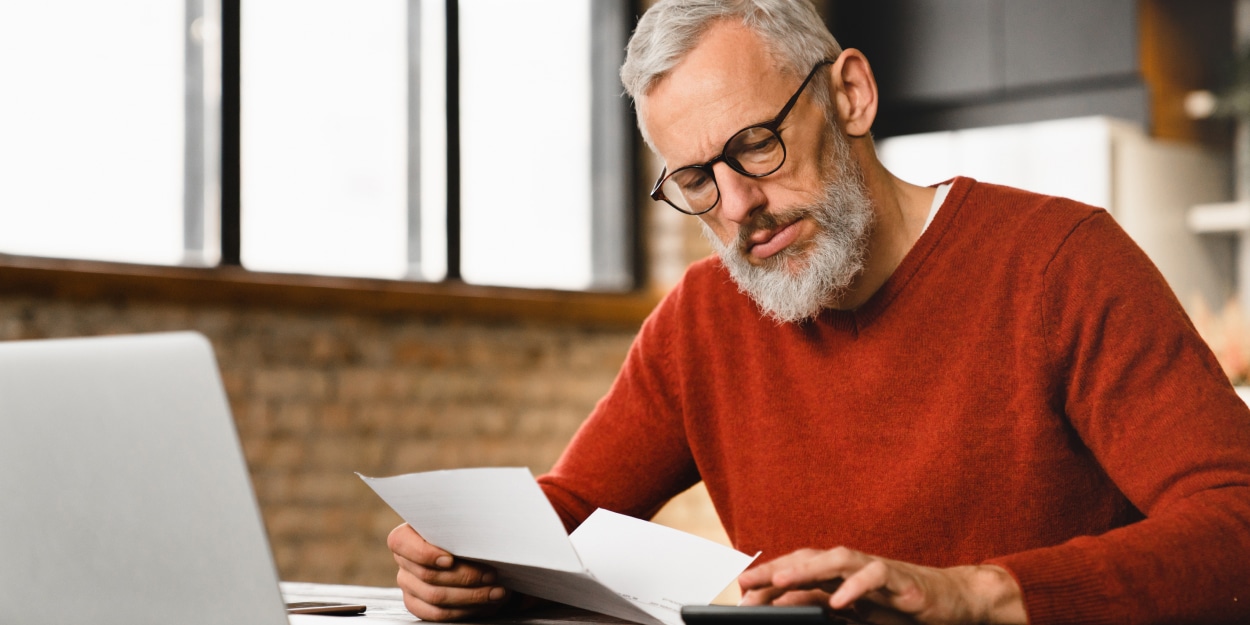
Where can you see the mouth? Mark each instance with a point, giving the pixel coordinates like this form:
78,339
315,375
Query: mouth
763,244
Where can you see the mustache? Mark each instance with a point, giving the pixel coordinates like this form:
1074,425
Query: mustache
764,220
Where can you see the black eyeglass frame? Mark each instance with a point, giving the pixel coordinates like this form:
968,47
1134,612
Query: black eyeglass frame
773,126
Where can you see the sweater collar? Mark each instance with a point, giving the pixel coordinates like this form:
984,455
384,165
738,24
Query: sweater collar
855,320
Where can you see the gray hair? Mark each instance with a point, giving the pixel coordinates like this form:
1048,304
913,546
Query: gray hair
794,33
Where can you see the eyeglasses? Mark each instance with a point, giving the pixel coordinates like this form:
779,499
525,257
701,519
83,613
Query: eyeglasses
754,151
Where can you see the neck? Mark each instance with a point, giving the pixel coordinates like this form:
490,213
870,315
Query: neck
901,209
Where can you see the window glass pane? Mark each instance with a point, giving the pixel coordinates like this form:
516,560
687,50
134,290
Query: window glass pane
92,127
325,137
525,142
433,150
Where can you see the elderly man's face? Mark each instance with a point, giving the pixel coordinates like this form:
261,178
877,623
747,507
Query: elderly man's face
726,83
795,239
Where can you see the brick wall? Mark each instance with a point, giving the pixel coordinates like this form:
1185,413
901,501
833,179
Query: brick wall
318,396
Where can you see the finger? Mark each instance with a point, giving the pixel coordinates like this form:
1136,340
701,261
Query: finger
405,542
777,596
434,565
823,569
872,577
427,612
761,596
432,602
449,596
802,597
463,573
756,577
762,575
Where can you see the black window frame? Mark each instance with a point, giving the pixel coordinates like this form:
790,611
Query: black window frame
616,251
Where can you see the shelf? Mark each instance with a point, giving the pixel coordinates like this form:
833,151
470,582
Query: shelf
1219,218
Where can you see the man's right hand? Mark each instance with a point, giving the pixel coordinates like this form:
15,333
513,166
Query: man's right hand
437,586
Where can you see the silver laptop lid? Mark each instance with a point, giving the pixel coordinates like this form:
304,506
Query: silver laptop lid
124,497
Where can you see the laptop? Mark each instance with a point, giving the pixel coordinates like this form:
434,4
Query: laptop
124,496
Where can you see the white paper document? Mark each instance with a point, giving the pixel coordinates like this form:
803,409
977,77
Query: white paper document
613,564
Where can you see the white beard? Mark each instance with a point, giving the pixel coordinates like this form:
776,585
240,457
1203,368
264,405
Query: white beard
800,281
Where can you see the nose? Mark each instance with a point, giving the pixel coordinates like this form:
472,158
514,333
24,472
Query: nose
740,196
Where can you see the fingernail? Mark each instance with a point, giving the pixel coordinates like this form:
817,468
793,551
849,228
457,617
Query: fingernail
497,593
488,577
443,562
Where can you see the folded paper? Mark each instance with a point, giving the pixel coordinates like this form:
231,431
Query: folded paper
612,563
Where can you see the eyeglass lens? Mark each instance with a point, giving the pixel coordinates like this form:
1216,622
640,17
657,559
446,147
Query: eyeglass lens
754,151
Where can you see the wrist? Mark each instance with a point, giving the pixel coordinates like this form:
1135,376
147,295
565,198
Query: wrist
994,595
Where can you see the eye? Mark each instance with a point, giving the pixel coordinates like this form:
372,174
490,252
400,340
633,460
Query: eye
755,147
763,145
691,180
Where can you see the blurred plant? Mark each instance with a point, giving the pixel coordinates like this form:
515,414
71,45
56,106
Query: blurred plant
1225,331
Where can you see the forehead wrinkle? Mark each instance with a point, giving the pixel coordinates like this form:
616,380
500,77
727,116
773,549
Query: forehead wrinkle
710,146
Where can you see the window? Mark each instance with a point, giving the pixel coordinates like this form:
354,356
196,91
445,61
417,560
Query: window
324,137
529,159
476,140
93,152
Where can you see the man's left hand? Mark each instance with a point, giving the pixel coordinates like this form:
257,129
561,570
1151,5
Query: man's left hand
886,591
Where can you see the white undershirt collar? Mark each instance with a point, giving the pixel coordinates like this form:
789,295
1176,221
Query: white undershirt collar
938,199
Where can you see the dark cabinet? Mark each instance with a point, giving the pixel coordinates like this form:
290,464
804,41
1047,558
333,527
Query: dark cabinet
924,50
1067,41
947,64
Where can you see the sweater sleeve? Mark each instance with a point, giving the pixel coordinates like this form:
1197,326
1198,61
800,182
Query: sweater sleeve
631,455
1146,396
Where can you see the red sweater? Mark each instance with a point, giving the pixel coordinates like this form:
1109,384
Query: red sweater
1024,390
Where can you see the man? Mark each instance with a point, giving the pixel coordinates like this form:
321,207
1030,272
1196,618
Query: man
959,404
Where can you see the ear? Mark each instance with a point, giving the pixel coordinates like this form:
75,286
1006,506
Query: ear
854,92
